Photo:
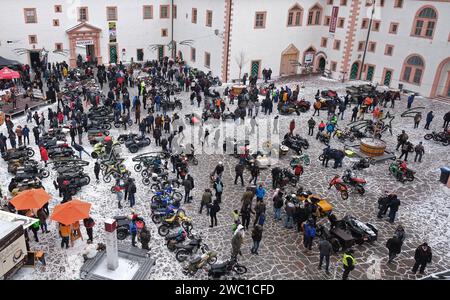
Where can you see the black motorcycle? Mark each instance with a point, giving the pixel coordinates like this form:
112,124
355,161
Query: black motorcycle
133,144
61,152
185,250
226,268
18,153
123,226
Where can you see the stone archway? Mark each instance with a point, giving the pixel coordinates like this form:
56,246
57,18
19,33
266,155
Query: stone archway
441,83
289,61
84,34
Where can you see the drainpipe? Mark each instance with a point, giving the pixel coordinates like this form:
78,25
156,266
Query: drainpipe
367,41
228,41
171,31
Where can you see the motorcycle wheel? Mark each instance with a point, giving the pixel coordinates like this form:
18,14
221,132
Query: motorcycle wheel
155,187
107,126
321,157
107,179
177,196
163,230
360,190
147,141
293,181
94,155
171,246
344,195
399,176
130,122
195,161
409,177
145,181
212,260
138,167
446,142
117,125
299,151
428,136
121,140
30,152
156,219
113,190
145,173
182,255
239,269
45,173
122,233
187,226
133,148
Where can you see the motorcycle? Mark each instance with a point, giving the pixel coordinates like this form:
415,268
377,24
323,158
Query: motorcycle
218,270
401,175
15,187
163,184
135,143
184,251
160,214
287,177
64,151
357,183
342,135
323,137
443,137
31,172
124,137
295,143
175,238
18,153
200,262
178,219
340,186
123,226
168,191
361,232
363,163
119,123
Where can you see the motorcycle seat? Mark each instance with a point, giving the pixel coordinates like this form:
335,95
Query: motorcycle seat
182,246
196,260
219,266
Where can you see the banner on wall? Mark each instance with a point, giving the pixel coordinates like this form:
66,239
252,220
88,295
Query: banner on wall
112,32
334,17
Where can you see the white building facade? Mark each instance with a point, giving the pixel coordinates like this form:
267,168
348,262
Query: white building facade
408,42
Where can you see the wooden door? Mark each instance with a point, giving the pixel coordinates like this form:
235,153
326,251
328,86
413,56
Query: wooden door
289,64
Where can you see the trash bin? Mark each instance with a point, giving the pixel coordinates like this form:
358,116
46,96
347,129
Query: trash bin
445,174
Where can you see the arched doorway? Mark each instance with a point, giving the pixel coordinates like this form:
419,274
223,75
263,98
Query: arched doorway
87,37
322,64
354,70
441,84
289,61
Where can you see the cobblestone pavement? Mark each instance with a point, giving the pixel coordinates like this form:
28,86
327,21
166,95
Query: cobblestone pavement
424,211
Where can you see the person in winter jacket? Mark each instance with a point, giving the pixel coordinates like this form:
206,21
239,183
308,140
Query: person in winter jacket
311,125
260,208
131,192
277,205
239,170
218,187
419,152
215,208
291,127
394,246
405,150
26,135
417,119
64,232
402,139
394,203
289,208
348,262
3,145
325,252
254,171
219,169
422,257
187,183
237,240
446,120
89,225
309,232
133,231
260,192
246,211
428,120
97,171
206,200
256,237
144,237
42,216
44,154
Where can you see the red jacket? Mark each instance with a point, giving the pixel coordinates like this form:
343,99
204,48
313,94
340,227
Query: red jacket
44,153
292,125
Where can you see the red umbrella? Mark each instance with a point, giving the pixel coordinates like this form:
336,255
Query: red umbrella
7,73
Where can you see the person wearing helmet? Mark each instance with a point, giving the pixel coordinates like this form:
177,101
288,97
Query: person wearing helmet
219,169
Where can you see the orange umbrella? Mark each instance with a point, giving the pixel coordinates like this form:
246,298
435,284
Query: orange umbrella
29,199
71,211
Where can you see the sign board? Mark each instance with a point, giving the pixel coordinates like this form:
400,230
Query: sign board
112,32
309,57
334,17
13,248
84,42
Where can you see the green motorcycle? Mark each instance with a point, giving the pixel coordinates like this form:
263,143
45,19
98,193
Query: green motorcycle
394,169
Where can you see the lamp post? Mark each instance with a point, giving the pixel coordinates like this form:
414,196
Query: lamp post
367,40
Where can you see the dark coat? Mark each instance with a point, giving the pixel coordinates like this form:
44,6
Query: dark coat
394,245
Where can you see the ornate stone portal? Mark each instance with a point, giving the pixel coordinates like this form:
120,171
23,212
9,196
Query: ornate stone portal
84,34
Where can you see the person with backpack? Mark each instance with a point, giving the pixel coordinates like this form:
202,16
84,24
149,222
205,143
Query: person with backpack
260,209
309,233
214,209
89,225
419,152
349,262
218,187
256,237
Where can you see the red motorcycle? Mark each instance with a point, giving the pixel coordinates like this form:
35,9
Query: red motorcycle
340,186
355,182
